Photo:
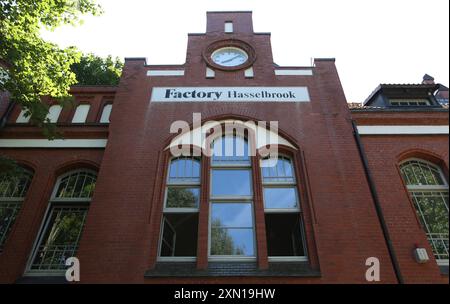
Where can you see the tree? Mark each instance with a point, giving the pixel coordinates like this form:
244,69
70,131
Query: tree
31,67
94,70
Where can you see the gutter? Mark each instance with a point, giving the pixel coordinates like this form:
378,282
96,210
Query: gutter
377,204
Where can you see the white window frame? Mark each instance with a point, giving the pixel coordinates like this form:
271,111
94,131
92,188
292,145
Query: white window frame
406,102
231,199
56,202
166,210
297,210
426,188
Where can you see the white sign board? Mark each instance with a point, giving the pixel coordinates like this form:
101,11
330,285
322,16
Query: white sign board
230,94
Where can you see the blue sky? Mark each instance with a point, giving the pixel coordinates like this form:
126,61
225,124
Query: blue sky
382,41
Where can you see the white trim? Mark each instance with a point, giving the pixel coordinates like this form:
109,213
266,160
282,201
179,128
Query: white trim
56,143
293,72
442,262
402,130
288,259
176,259
165,73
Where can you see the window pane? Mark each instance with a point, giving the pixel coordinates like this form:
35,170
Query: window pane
231,215
53,113
23,118
226,241
179,237
284,235
183,197
184,170
15,186
230,150
231,183
60,239
77,185
421,173
81,113
8,213
106,113
277,170
280,198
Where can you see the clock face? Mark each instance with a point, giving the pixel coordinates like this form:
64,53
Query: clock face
229,57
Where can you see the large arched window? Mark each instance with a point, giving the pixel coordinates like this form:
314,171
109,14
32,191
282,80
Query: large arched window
63,225
13,189
428,189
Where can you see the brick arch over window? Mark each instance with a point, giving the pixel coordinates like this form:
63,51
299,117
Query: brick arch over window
428,188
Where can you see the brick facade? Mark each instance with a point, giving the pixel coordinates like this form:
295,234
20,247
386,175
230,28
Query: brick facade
119,243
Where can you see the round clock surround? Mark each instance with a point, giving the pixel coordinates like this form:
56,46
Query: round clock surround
229,55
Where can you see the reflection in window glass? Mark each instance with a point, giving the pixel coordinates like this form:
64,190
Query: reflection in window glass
277,171
231,183
77,185
12,194
61,238
280,198
182,197
184,170
232,229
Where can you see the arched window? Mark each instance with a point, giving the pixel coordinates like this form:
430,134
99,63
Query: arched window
53,113
106,113
81,113
181,205
64,222
13,189
284,227
428,189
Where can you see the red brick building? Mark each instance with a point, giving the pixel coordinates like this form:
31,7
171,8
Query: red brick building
113,195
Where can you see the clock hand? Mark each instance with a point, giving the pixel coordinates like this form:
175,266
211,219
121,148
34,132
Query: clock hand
228,60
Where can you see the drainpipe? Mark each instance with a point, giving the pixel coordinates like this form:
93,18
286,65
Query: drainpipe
377,204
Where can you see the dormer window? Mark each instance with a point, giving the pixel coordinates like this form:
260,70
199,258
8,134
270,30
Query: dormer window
397,102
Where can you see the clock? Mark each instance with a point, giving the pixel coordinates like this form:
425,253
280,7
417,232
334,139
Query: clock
229,57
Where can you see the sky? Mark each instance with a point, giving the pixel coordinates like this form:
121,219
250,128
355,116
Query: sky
373,41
